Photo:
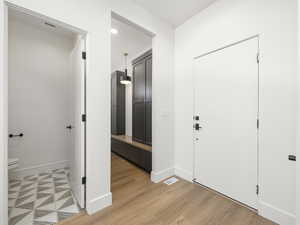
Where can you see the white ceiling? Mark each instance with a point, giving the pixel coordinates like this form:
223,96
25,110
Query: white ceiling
40,23
129,40
175,12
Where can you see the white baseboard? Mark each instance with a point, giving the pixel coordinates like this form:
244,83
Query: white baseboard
157,177
21,172
276,215
184,174
99,203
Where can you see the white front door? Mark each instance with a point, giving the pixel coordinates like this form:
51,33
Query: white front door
78,131
226,104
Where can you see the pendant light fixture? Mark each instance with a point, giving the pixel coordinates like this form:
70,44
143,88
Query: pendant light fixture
125,79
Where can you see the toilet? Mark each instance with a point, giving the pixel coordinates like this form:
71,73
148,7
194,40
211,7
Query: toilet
13,164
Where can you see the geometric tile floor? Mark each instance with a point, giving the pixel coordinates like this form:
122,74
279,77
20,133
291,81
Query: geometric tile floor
41,199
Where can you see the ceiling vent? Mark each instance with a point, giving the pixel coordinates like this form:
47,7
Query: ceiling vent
50,25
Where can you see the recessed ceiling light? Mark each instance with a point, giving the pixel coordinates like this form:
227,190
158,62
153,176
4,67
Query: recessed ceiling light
114,31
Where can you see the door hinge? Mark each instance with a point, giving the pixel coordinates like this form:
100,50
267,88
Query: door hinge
83,117
257,123
83,180
257,58
257,189
84,55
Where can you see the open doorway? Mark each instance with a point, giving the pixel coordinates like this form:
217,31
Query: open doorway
131,105
46,120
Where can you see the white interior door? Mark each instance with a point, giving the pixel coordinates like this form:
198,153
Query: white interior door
78,131
226,101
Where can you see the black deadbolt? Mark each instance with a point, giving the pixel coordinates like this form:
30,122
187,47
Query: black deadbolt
292,157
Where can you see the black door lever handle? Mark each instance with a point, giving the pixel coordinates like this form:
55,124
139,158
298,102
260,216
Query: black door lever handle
15,135
69,127
197,126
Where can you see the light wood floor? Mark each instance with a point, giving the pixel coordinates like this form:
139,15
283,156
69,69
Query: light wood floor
137,201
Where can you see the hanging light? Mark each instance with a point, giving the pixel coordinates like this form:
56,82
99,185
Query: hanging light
125,79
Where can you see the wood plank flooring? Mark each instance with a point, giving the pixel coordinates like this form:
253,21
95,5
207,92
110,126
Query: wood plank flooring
137,201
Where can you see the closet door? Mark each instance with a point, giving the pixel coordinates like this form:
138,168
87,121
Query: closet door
117,104
139,82
142,99
149,123
139,122
148,106
138,103
149,79
120,98
113,104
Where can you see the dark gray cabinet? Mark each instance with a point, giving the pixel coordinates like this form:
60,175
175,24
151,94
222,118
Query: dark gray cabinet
117,104
148,79
142,99
139,117
148,130
139,83
139,157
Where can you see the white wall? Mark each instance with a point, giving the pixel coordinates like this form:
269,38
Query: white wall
39,98
226,22
94,17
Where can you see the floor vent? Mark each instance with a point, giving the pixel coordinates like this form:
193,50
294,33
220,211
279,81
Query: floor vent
171,180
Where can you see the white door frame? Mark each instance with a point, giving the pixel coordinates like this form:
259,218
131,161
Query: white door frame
4,6
298,122
258,102
85,112
3,115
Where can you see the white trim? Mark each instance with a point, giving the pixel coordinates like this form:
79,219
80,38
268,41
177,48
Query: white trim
183,174
3,115
157,177
298,119
277,215
227,46
38,169
99,203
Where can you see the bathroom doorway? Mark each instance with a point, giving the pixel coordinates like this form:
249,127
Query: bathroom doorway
46,119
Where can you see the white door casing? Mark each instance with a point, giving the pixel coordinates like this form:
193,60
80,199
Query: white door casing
226,101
